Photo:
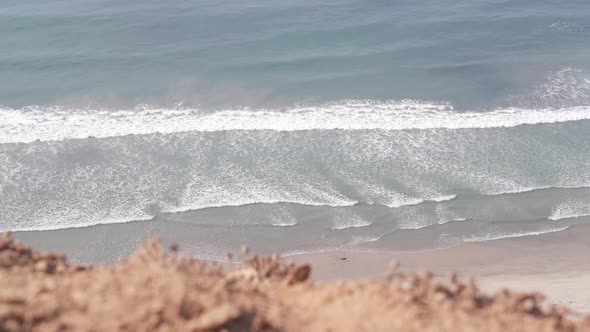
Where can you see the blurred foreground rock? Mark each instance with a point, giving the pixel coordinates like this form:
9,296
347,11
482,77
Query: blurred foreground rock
153,290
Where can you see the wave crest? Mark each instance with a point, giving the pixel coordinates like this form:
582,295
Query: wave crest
58,123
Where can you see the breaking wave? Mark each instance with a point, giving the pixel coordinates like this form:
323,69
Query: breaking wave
397,155
59,123
491,237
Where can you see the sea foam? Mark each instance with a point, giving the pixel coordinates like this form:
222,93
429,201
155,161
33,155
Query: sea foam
59,123
491,237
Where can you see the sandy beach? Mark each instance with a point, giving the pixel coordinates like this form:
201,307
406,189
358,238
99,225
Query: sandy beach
555,264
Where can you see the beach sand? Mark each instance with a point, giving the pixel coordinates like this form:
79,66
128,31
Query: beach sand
556,264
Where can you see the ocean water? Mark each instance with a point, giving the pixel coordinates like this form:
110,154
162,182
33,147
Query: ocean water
296,126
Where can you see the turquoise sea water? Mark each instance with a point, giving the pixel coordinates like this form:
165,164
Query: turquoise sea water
305,124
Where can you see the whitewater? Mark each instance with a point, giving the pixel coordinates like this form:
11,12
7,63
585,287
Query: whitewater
55,123
420,163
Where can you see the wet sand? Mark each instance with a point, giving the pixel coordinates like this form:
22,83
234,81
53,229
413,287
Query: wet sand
556,264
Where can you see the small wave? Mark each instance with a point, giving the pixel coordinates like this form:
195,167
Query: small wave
444,221
79,225
442,198
358,239
338,203
284,224
409,201
188,208
563,26
523,190
58,123
283,220
569,210
566,85
569,216
353,222
491,237
415,201
414,226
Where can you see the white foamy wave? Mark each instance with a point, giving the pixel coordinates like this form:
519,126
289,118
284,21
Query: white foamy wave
358,239
569,216
344,220
570,210
444,221
418,217
281,217
58,123
568,84
563,26
523,190
197,206
51,227
407,201
379,195
443,198
490,237
282,223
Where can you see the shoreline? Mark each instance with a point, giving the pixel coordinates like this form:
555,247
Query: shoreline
555,264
